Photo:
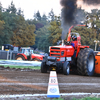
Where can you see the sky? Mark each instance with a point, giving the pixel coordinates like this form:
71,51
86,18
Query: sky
29,7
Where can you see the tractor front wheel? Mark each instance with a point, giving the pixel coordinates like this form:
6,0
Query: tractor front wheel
36,59
66,68
43,67
86,62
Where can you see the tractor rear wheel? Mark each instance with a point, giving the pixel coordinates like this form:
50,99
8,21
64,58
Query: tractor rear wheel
43,67
66,68
36,59
86,62
19,57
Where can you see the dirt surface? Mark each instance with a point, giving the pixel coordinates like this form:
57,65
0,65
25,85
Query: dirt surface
34,82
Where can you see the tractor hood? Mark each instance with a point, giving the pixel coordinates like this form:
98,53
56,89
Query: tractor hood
62,51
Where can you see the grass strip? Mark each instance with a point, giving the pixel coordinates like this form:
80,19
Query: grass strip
21,67
87,98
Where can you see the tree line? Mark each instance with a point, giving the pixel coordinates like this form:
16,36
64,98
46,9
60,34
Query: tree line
44,31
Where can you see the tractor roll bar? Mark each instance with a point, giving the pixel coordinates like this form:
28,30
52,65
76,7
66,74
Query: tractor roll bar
69,35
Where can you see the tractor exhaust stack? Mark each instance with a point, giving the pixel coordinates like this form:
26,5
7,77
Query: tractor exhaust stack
62,42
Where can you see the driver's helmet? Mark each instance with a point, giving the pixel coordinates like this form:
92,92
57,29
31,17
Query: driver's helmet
74,38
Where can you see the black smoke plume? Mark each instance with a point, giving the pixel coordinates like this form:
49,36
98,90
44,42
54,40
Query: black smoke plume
69,7
67,15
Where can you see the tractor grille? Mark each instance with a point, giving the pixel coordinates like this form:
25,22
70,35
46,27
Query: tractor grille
55,48
55,52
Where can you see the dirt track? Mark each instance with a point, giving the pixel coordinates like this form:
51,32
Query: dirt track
35,82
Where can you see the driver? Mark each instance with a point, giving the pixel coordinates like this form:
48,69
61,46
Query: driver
74,38
74,42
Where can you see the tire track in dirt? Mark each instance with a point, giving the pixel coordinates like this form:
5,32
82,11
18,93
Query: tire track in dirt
4,79
31,82
14,87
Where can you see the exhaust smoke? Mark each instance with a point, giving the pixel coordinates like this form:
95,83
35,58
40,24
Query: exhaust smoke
68,17
62,42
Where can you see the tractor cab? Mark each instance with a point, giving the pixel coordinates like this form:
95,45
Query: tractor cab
26,51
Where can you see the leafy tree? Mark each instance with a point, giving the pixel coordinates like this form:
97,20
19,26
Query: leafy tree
24,33
44,17
1,8
1,26
39,21
42,39
51,15
14,29
12,8
37,16
39,25
1,32
55,31
7,31
20,12
30,21
44,20
93,23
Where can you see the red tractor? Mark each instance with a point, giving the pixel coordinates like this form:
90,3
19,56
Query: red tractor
69,56
27,54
